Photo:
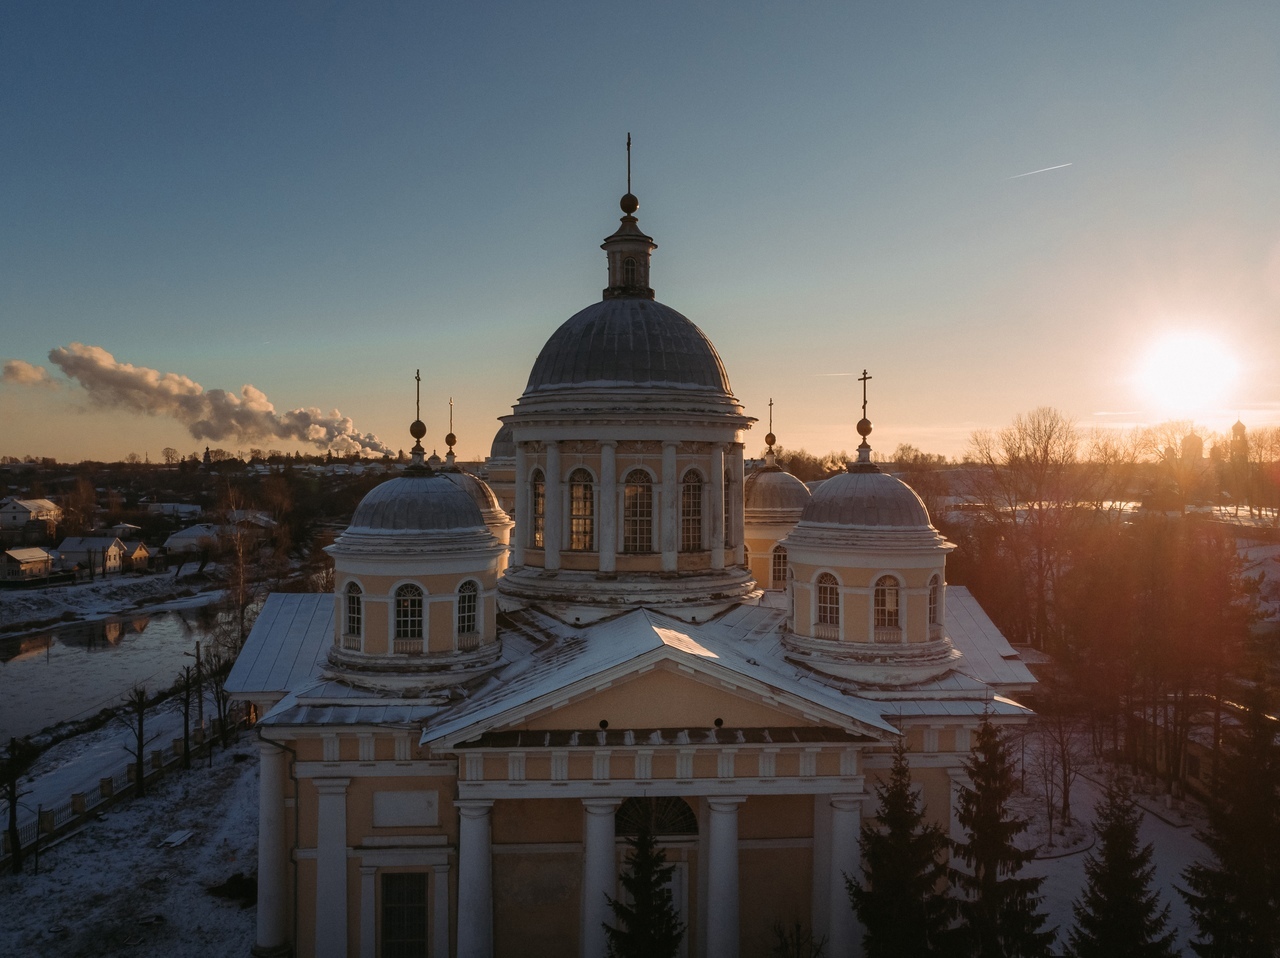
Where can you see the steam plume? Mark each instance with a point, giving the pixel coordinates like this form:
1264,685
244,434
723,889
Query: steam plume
23,373
212,414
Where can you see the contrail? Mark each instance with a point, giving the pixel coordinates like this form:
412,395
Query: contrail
213,414
1060,166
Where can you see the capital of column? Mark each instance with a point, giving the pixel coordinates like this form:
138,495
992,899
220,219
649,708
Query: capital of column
474,807
331,786
848,803
725,803
601,806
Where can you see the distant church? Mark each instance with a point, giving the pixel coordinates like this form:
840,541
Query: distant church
455,743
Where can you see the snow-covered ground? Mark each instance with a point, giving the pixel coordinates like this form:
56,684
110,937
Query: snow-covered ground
109,889
112,595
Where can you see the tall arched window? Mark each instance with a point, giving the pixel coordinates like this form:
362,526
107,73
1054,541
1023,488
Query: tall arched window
354,617
408,637
728,529
537,509
468,608
629,271
637,512
691,512
828,600
886,600
582,511
779,567
935,601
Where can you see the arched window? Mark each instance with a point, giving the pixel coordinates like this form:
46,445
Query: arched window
538,509
582,511
637,512
886,599
468,608
354,617
665,815
408,636
779,567
629,271
828,600
691,512
935,601
728,529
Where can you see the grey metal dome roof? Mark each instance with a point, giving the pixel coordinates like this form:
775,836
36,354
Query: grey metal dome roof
417,504
504,443
774,489
475,487
863,499
629,342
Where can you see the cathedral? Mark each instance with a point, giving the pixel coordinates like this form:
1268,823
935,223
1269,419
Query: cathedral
624,624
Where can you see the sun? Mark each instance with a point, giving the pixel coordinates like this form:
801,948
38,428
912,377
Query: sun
1186,374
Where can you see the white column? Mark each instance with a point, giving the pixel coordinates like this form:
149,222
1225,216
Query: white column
716,481
607,536
670,507
599,873
844,932
273,927
331,868
736,531
368,910
554,507
524,520
439,911
722,877
475,880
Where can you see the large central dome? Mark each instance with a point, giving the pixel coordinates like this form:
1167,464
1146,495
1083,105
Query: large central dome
629,342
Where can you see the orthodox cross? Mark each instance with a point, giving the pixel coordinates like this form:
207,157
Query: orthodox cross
417,377
771,414
450,414
863,379
628,162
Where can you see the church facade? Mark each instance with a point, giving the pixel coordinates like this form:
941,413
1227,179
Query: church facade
456,742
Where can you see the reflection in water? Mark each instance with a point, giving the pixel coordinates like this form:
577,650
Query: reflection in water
74,671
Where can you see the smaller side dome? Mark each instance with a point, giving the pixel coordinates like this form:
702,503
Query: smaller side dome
866,499
772,490
417,504
504,443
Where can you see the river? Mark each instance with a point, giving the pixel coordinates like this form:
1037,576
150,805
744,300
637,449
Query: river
74,671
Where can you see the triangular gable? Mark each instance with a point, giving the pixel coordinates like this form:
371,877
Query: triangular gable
617,651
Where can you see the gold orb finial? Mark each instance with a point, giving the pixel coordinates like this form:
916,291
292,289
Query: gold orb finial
629,204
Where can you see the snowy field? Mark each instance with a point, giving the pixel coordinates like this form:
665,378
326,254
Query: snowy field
110,889
113,595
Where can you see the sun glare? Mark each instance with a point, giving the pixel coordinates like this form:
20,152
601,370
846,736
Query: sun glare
1186,374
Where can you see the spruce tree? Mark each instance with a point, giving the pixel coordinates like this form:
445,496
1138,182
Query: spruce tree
647,925
898,900
999,912
1119,913
1235,897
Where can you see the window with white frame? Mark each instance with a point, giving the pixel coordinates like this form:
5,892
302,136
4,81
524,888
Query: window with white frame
886,603
728,529
582,511
935,600
779,570
828,600
629,271
354,616
691,512
537,509
408,618
468,608
637,512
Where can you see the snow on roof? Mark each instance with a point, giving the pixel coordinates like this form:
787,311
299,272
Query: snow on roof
33,505
29,554
83,543
636,638
988,656
286,646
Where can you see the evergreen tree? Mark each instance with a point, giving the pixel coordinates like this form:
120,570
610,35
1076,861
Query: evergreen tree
1119,913
647,925
999,912
1235,898
898,900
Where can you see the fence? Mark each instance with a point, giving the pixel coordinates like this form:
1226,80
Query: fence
81,806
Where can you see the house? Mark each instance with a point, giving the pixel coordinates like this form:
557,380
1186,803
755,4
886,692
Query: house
456,742
16,513
202,537
174,510
137,556
27,563
99,555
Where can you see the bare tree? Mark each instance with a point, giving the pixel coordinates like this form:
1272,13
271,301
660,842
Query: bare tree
20,757
134,714
170,455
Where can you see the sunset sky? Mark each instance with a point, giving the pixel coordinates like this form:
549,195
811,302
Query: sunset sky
316,199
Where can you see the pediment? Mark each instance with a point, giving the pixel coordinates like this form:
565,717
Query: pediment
647,671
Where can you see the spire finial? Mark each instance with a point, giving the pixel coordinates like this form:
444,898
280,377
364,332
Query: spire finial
864,427
418,428
629,203
770,438
628,161
450,440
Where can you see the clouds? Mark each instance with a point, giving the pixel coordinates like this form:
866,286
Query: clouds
210,414
25,374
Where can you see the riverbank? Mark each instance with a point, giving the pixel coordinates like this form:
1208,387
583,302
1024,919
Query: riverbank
30,610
